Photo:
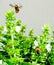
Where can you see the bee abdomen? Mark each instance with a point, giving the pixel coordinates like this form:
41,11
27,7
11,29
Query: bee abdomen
16,9
37,50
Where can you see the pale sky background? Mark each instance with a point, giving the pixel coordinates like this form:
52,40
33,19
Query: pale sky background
34,13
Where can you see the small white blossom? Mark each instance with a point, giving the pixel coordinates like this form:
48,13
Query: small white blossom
48,47
1,44
5,29
34,47
0,61
35,43
18,28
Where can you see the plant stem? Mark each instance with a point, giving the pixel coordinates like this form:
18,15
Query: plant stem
12,38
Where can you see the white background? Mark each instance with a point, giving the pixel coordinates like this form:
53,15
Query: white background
34,13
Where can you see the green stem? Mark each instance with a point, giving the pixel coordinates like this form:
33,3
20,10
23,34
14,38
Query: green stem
12,38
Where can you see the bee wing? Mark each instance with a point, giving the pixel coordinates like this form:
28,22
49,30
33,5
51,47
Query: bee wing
19,5
11,5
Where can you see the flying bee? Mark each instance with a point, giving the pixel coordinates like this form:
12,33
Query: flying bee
16,7
37,50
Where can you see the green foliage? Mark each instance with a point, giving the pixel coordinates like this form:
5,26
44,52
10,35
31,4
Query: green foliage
10,16
18,49
31,33
18,22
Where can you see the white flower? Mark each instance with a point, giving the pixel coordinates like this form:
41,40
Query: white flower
5,29
35,43
34,47
18,28
0,61
1,44
48,47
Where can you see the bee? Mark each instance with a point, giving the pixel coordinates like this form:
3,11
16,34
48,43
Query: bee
16,7
37,50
